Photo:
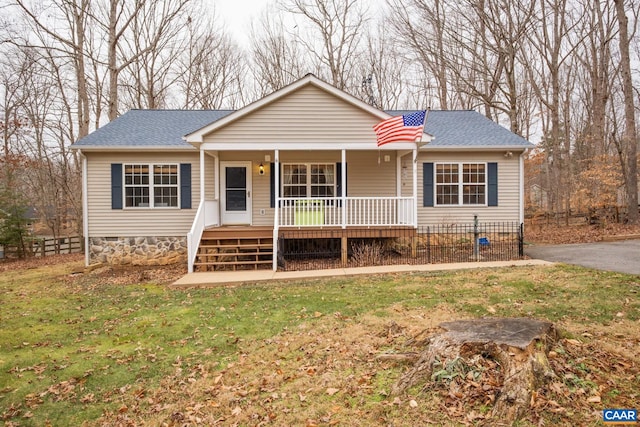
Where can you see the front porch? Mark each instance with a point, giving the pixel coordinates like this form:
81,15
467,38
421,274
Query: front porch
306,191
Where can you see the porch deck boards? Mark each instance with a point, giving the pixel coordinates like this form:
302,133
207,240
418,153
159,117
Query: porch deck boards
349,232
239,231
320,232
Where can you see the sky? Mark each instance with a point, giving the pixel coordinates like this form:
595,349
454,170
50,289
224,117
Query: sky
236,15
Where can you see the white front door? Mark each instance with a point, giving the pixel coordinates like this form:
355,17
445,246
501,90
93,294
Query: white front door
235,203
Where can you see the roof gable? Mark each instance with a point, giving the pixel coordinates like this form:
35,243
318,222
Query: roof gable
308,118
309,80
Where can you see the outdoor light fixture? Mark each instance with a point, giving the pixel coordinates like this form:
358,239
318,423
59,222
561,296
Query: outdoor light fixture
261,169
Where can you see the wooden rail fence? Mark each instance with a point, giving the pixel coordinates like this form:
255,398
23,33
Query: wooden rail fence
44,246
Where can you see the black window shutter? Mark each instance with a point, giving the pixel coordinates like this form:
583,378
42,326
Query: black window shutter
116,185
185,185
272,184
339,179
492,181
427,184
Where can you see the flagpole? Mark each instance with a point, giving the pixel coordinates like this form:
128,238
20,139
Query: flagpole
415,172
424,121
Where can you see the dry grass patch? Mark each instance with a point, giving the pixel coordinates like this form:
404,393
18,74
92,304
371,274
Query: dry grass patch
327,372
115,347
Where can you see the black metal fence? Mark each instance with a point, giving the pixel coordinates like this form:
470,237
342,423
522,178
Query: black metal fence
312,249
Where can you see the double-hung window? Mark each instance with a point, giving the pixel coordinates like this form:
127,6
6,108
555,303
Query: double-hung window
461,184
308,180
150,185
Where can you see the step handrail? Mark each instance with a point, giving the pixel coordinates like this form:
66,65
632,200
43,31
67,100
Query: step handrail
194,235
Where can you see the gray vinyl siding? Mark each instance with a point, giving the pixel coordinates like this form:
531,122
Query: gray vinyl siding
508,190
132,222
309,115
368,178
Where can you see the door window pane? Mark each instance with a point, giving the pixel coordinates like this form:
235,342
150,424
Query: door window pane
236,200
236,177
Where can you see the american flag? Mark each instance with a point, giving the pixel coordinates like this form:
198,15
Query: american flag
408,127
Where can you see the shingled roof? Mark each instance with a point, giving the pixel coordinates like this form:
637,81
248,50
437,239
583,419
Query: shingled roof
150,129
467,129
164,129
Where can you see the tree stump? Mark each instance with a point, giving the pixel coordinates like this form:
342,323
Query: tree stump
519,346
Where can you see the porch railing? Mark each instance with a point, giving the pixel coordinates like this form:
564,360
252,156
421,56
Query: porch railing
350,211
206,216
433,244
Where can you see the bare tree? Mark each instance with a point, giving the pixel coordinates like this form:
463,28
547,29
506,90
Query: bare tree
277,59
629,139
420,25
339,25
469,50
156,34
381,68
211,68
549,75
116,17
489,38
69,40
594,58
12,94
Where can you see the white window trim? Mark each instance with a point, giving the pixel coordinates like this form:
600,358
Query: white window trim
309,184
151,185
460,185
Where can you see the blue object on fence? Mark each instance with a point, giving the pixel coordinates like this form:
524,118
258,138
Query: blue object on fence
483,241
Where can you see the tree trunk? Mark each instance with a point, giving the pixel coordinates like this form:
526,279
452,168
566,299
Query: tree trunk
629,139
112,47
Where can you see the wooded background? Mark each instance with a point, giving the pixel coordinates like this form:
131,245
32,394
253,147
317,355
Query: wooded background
561,73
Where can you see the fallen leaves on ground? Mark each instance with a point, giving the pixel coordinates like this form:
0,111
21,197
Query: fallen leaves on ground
328,374
35,262
585,233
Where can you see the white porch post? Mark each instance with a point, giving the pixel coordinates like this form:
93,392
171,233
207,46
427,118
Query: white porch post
276,213
202,173
343,185
216,192
415,187
399,174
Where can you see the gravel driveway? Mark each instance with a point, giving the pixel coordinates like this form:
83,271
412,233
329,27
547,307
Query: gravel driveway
622,256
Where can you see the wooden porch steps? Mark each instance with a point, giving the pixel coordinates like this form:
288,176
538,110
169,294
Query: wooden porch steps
235,248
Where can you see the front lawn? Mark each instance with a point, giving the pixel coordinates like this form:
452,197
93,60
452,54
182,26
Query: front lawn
104,348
